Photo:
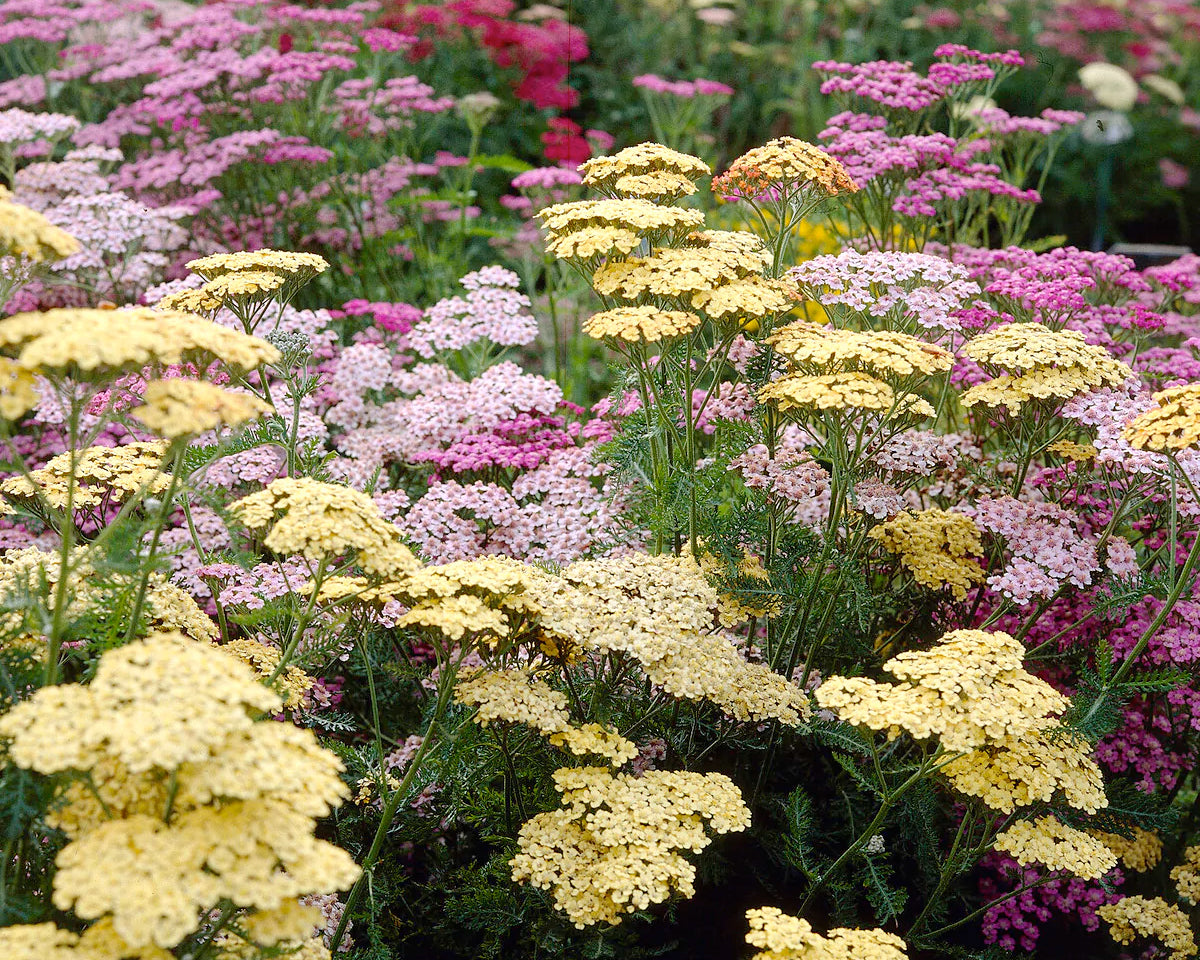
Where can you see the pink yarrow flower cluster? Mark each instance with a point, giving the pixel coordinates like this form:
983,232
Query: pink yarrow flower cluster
493,309
687,89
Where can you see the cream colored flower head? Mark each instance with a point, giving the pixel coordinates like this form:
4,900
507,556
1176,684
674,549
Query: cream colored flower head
84,340
26,234
1111,86
1171,426
1053,844
292,266
325,521
645,324
179,408
785,163
647,163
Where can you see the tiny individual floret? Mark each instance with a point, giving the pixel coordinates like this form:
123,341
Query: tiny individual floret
1153,918
178,408
779,936
645,324
1171,426
1057,846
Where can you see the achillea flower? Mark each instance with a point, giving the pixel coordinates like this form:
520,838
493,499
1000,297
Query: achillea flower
244,287
838,391
662,187
642,217
646,324
645,160
1187,874
102,475
85,340
822,349
1133,917
752,297
783,166
591,242
18,393
1171,426
245,792
294,267
1140,853
614,847
322,521
178,408
1030,767
674,272
516,696
1056,846
779,936
1043,364
27,235
940,548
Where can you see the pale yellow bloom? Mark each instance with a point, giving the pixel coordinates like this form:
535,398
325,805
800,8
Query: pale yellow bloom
1133,917
1055,845
178,408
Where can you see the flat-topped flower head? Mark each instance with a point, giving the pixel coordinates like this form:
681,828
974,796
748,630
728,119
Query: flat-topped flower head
674,272
84,340
1171,426
1023,346
643,160
662,187
244,286
940,548
645,324
643,217
28,235
852,390
1053,844
816,348
751,298
1030,767
18,390
781,167
294,267
102,476
1132,918
589,243
323,521
968,691
179,408
191,301
615,846
779,936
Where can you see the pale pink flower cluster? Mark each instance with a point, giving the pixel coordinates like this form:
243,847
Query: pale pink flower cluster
686,89
493,309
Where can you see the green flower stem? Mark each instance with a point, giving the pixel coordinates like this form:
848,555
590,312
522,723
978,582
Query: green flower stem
307,615
948,870
392,806
889,800
160,522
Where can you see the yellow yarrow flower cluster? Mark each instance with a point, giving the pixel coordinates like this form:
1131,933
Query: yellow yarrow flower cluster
18,390
45,941
785,164
82,341
1133,917
660,610
516,696
1056,846
1140,853
821,349
1042,364
632,171
179,408
841,391
291,684
291,266
589,243
969,690
642,217
679,272
779,936
940,548
645,324
1030,767
615,846
100,476
323,521
1187,875
1171,426
27,235
1069,450
236,824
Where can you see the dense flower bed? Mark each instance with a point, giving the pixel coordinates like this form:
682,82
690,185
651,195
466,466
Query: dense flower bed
432,525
